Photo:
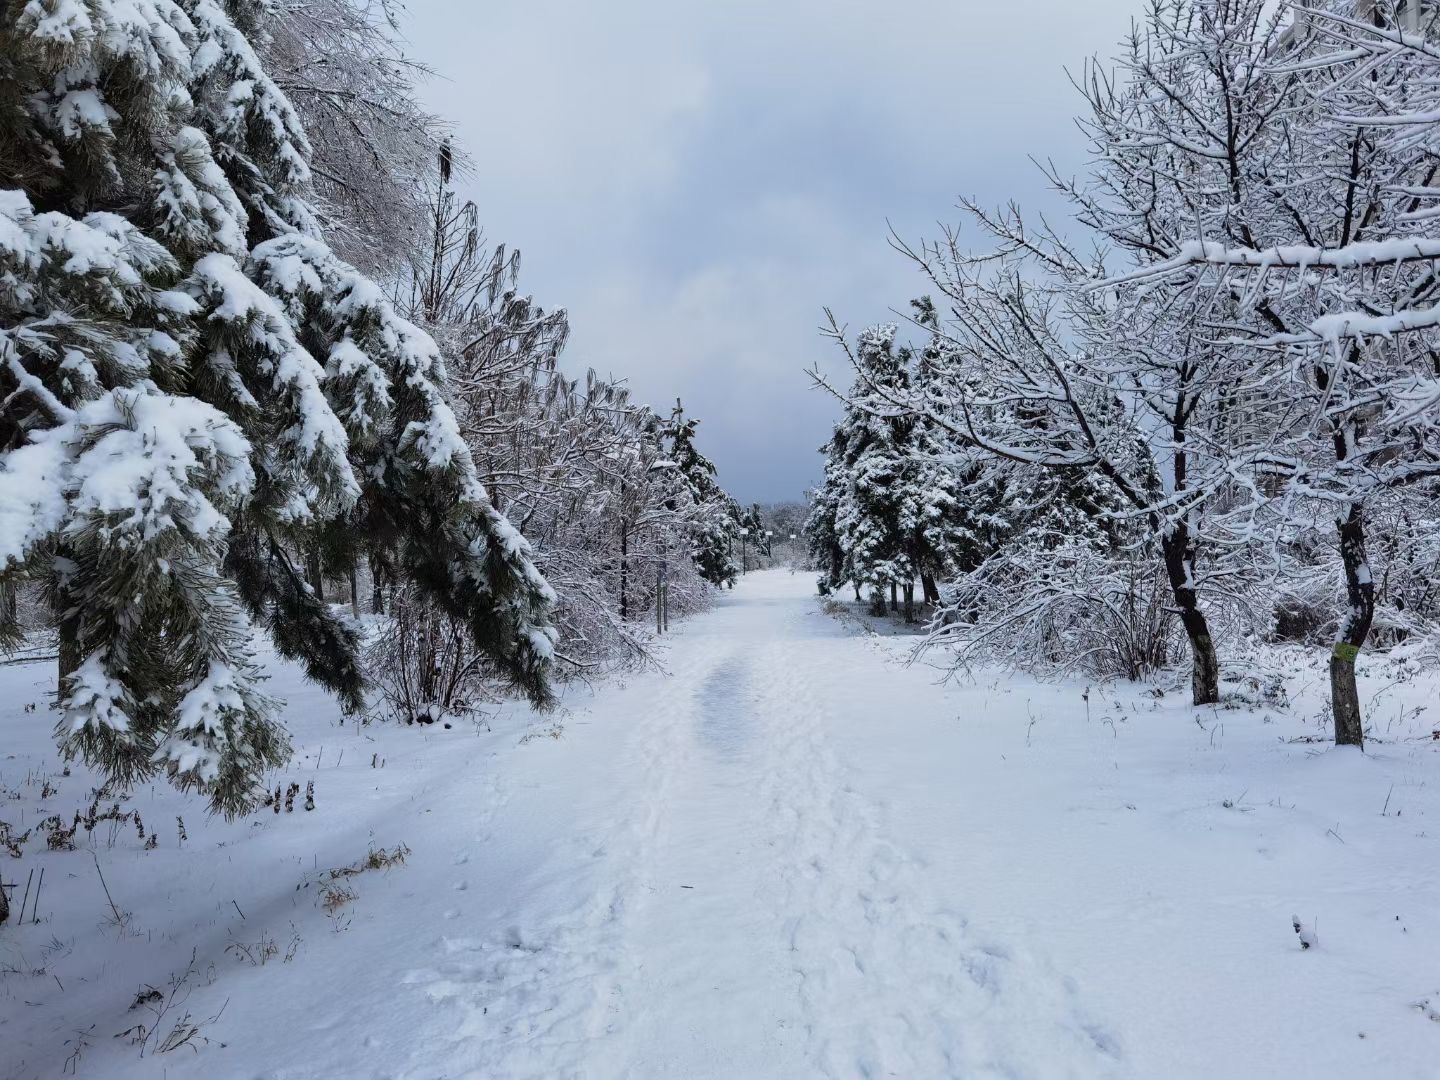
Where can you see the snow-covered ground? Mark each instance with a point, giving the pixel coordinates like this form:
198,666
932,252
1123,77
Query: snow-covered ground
790,856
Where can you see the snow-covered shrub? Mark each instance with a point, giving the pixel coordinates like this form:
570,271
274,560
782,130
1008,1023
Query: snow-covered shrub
1068,611
424,665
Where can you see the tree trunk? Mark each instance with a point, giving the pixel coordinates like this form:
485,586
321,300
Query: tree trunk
1360,592
858,597
894,601
929,590
377,589
69,650
909,593
67,623
624,567
354,593
316,575
1180,570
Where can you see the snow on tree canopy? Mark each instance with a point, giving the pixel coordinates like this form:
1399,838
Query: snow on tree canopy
200,399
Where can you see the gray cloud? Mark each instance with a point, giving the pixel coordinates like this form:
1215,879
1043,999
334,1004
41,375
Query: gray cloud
695,181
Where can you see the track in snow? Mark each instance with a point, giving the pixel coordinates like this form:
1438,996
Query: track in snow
743,909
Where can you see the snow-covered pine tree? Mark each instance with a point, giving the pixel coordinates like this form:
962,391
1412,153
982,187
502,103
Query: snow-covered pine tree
902,513
870,511
716,523
953,509
754,520
822,532
197,394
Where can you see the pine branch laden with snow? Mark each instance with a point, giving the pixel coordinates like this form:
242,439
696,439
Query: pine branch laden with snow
584,473
255,131
423,502
198,396
148,481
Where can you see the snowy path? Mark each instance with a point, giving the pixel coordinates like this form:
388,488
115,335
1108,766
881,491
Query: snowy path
751,914
789,856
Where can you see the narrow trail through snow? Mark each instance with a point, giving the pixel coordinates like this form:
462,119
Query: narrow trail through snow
736,906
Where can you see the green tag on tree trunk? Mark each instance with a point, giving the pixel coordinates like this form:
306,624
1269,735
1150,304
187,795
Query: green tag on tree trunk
1345,651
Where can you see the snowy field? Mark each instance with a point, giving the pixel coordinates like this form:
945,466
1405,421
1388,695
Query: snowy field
789,857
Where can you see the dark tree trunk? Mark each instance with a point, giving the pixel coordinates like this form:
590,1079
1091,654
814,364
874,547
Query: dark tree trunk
894,600
377,589
1360,592
624,569
67,623
1180,570
909,594
1178,549
315,574
354,592
929,590
70,658
858,597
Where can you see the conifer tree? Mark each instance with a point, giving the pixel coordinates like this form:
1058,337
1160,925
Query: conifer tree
716,525
754,520
822,532
198,397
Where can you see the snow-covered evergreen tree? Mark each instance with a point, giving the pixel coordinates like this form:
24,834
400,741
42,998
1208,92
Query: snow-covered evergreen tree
716,523
894,503
198,395
822,533
753,520
869,517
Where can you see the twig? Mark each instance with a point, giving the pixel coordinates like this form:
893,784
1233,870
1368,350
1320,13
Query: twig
26,900
35,908
29,660
113,908
237,907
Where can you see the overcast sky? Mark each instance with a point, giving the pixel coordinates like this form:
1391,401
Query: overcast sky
694,180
